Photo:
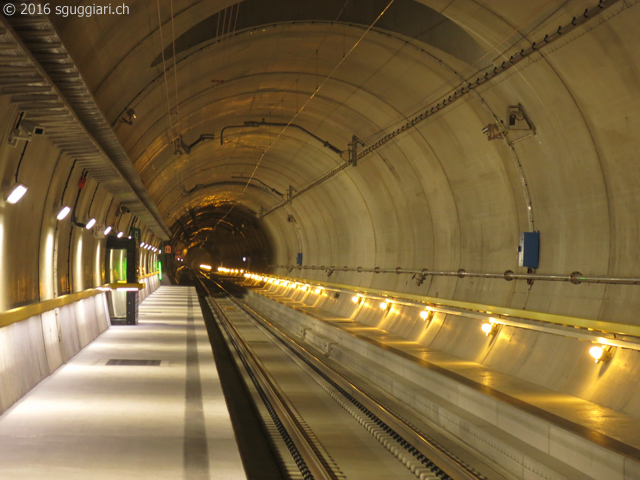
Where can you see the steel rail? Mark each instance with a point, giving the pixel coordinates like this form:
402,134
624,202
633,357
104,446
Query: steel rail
425,451
310,465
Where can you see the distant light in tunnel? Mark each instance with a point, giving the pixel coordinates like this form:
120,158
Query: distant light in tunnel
17,193
244,259
205,267
63,213
107,230
120,234
90,224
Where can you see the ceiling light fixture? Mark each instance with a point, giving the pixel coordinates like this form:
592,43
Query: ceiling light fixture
120,234
130,117
90,224
63,213
107,230
17,193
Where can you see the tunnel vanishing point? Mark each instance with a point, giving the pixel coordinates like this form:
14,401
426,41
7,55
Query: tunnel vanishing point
475,157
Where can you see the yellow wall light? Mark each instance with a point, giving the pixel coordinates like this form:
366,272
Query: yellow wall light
490,328
601,353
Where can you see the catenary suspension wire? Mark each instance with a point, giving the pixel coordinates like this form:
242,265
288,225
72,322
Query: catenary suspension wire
460,75
175,68
466,87
164,69
313,95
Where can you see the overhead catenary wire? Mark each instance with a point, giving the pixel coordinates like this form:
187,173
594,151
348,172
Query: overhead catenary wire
459,76
164,70
466,87
175,69
313,95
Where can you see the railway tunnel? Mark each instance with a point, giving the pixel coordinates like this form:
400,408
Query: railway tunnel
471,165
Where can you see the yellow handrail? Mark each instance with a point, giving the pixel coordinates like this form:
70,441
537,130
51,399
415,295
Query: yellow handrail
593,324
19,314
148,275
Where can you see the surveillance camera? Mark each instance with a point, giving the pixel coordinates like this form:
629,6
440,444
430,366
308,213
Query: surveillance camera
31,128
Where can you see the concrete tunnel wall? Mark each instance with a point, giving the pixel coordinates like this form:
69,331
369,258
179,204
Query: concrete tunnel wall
42,258
444,198
439,196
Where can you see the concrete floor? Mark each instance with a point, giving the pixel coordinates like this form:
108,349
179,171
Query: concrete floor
92,420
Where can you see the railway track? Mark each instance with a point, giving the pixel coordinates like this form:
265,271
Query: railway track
306,449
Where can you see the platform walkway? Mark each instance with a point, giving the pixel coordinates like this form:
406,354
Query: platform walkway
139,402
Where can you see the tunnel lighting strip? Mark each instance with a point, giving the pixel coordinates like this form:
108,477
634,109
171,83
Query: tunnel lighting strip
577,328
467,87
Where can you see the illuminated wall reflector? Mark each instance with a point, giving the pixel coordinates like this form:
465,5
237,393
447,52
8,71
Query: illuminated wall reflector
90,224
17,193
63,213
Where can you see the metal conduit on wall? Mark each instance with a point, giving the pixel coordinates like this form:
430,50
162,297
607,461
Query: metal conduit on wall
467,87
420,275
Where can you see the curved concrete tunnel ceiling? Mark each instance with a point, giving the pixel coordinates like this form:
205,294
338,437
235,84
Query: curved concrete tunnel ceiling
438,195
